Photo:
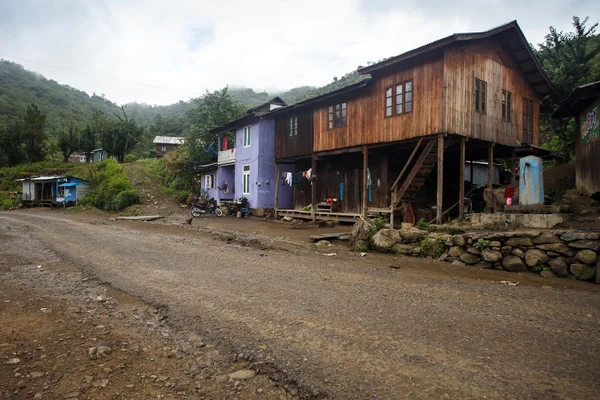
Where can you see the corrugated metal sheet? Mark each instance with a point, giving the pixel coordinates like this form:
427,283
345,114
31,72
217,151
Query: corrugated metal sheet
168,140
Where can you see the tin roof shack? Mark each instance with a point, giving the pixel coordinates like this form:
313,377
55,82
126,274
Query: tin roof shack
404,135
165,144
583,104
53,191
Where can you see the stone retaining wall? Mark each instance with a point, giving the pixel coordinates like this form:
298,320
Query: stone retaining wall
551,253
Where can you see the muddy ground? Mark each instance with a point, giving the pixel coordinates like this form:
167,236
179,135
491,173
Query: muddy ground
142,310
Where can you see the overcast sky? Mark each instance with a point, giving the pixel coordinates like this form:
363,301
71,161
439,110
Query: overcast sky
159,51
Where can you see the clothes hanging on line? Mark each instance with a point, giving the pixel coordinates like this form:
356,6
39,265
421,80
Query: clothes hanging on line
307,174
288,178
297,178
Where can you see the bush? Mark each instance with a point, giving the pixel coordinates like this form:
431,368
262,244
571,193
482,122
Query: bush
111,189
131,158
125,199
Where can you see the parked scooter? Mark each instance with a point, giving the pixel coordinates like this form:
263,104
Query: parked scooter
210,207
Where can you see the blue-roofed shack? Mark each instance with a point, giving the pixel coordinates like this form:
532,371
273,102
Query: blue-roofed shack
53,191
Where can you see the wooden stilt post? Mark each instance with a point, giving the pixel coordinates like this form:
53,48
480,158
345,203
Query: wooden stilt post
461,182
440,178
513,167
365,190
276,181
393,206
491,174
313,190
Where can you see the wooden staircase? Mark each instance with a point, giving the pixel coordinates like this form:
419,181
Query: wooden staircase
404,189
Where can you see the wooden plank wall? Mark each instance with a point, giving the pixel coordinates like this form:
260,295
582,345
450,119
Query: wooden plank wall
367,123
486,60
587,173
287,146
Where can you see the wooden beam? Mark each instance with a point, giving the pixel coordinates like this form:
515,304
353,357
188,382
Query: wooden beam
365,190
490,166
407,163
415,169
277,177
491,174
440,178
513,167
461,182
313,189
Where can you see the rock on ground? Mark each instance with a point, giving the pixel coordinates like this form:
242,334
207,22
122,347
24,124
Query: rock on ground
405,249
546,238
559,266
469,258
586,256
360,236
514,264
491,256
535,257
582,272
385,239
412,234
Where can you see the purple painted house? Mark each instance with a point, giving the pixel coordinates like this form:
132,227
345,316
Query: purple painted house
246,160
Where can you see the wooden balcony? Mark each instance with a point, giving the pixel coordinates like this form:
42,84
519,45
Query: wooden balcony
226,157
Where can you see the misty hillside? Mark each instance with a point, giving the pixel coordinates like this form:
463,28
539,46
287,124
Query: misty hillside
19,88
62,103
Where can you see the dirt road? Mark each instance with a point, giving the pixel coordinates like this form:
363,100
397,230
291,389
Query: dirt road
341,327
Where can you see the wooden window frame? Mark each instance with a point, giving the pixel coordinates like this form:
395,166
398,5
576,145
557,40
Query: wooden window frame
393,95
247,134
337,115
480,96
506,101
527,120
293,126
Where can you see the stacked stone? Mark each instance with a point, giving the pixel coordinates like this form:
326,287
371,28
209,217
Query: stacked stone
556,253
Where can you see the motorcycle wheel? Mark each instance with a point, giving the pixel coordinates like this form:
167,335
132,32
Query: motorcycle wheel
196,212
218,212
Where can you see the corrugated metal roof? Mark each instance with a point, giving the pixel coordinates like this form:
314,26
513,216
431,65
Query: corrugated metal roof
168,140
47,178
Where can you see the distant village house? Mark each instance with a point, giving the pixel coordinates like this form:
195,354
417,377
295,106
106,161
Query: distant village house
165,144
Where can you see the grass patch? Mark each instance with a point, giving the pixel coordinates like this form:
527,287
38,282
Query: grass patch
111,190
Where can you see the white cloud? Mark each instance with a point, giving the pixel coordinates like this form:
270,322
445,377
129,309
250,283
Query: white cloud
177,49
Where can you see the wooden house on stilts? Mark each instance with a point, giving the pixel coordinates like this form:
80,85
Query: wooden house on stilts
403,135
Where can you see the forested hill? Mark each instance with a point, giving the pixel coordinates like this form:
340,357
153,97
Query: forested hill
62,103
19,88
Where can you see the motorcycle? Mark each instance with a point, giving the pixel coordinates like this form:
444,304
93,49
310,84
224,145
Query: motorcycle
210,207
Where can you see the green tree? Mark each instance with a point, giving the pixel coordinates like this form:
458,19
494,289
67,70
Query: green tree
570,59
120,136
209,111
69,141
33,133
11,146
88,142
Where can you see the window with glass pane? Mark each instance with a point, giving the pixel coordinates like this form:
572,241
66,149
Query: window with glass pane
246,136
246,179
330,117
337,115
483,99
343,114
476,95
508,106
388,102
291,126
408,96
399,93
296,126
480,96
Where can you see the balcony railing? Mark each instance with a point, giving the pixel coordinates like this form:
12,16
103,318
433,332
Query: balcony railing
226,157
